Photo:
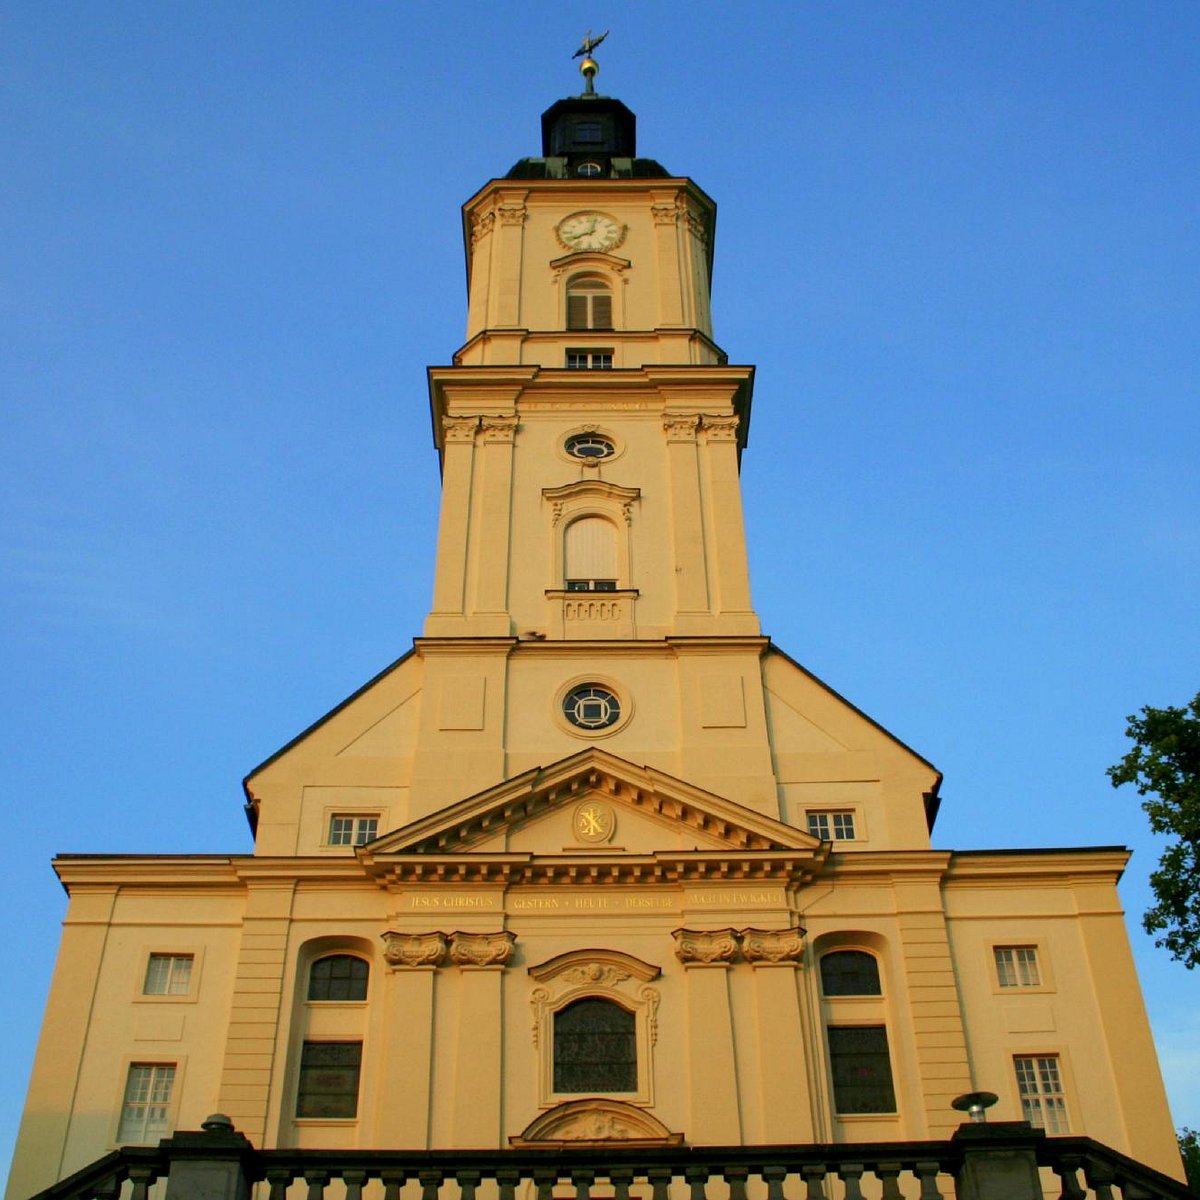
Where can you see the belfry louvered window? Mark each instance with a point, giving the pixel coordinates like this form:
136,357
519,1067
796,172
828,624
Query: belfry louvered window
589,304
590,555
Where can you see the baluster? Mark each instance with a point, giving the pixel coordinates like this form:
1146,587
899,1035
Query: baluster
736,1178
620,1178
927,1173
851,1176
582,1181
431,1181
110,1188
1100,1178
660,1182
142,1179
773,1177
354,1180
507,1180
813,1175
393,1182
1132,1190
544,1179
467,1182
1065,1169
697,1177
279,1180
316,1181
889,1176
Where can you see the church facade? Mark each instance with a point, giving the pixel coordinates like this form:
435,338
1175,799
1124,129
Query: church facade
595,860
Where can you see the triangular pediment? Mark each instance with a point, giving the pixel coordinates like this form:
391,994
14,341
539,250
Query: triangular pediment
563,818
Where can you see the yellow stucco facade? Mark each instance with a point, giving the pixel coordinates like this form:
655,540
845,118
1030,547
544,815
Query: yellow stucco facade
591,781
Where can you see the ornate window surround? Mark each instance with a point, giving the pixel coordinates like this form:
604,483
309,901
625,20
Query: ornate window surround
607,974
591,264
590,498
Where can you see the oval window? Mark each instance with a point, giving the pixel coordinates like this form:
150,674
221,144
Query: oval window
589,445
591,707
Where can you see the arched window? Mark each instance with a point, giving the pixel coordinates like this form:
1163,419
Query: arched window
590,555
338,977
589,304
850,973
595,1047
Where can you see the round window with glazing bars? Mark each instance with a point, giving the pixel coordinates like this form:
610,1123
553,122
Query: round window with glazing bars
590,446
591,707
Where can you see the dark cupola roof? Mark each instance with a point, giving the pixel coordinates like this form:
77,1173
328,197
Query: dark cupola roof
588,137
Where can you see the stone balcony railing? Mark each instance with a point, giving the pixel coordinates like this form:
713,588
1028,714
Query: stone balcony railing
998,1161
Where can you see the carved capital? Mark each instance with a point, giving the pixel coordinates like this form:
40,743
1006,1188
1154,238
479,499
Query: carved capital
481,226
701,947
773,945
681,427
664,214
459,429
413,949
499,429
721,429
482,949
513,214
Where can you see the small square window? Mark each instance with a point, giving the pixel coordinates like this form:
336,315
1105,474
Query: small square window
589,360
1017,966
832,826
1043,1102
352,829
146,1106
168,975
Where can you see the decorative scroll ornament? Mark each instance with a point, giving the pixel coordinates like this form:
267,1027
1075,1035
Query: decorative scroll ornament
773,945
721,429
695,947
413,949
664,214
482,949
681,427
603,975
513,214
651,997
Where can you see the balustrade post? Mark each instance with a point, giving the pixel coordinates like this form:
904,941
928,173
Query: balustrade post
209,1164
999,1161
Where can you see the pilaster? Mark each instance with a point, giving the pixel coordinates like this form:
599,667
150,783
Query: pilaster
249,1064
687,523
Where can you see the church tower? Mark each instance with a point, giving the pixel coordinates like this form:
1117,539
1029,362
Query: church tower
594,861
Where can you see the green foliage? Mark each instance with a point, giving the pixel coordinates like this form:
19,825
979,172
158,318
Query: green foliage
1164,764
1189,1148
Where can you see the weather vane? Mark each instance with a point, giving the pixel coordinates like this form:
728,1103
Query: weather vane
589,66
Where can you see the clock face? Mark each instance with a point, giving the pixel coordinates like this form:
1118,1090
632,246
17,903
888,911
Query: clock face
594,822
590,231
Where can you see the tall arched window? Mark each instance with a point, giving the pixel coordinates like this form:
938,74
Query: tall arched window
850,973
589,303
590,555
595,1047
338,977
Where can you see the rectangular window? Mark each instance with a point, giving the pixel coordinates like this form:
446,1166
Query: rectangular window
1017,966
168,975
329,1079
861,1069
1039,1082
589,360
832,826
352,829
146,1108
588,131
591,585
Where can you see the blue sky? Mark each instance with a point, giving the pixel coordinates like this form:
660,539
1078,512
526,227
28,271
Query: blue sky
960,242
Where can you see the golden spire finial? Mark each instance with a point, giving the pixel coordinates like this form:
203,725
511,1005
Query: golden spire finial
589,66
